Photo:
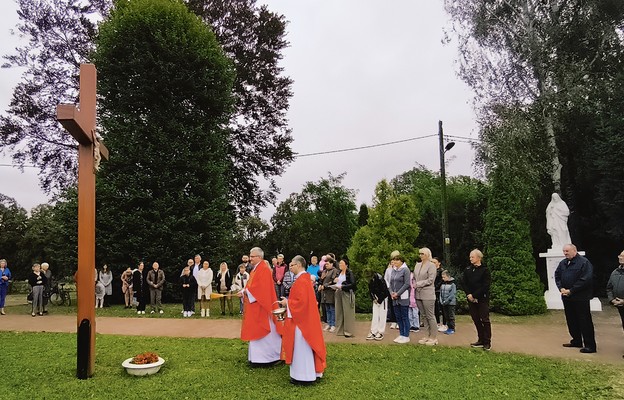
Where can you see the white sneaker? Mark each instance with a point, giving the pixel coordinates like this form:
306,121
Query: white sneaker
161,311
423,340
143,312
152,312
431,342
404,339
370,336
332,329
398,339
139,312
442,328
394,325
203,312
326,328
208,312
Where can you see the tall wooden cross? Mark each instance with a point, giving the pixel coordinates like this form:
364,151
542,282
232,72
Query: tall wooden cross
81,123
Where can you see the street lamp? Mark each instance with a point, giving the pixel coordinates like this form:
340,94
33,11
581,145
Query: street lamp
446,241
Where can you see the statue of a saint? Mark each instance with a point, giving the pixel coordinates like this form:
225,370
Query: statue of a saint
557,214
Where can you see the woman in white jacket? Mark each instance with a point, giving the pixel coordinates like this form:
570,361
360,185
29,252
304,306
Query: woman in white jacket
204,288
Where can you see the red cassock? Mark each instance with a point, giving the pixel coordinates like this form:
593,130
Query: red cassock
256,315
305,316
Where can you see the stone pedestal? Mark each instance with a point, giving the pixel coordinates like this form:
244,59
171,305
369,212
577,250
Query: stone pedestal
552,295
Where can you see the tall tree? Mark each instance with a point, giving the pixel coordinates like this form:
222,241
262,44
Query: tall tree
516,288
321,218
466,201
392,225
61,35
166,95
13,225
525,51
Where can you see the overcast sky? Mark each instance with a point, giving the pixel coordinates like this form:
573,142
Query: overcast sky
365,72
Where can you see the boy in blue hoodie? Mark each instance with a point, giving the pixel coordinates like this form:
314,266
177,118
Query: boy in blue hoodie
448,292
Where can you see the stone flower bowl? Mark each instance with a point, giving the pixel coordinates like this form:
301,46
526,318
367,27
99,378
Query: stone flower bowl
142,369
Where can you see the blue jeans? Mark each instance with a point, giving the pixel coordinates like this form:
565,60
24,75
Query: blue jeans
402,318
331,314
3,293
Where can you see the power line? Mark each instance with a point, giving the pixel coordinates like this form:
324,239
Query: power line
16,166
364,147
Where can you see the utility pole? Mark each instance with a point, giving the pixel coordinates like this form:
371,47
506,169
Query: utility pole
446,241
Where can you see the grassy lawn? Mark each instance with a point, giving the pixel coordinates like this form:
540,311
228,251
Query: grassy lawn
42,365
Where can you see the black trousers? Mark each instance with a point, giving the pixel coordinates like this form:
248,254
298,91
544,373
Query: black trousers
580,324
621,310
480,313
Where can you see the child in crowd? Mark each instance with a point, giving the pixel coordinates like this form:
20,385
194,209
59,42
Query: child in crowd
448,300
414,319
37,281
100,292
240,281
187,282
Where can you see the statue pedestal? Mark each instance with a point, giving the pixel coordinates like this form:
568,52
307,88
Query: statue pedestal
552,295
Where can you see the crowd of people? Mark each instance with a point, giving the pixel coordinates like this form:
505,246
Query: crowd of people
421,299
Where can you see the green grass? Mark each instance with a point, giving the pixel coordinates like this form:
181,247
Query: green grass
42,365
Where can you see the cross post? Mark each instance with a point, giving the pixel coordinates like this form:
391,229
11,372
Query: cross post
81,123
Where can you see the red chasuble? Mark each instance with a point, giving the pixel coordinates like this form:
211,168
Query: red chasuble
256,315
305,316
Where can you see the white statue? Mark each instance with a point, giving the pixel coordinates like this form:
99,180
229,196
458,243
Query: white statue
557,214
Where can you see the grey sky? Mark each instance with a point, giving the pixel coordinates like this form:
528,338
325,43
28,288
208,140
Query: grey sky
364,72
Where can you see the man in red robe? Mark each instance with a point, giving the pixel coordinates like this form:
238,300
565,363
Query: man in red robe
258,325
303,346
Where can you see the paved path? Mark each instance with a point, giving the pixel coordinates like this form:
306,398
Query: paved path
541,336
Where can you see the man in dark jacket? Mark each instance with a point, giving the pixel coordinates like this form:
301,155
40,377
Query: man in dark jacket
477,280
615,287
574,279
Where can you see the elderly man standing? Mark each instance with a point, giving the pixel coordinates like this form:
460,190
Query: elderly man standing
574,280
258,326
303,344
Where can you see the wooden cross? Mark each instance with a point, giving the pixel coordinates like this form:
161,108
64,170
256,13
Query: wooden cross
81,123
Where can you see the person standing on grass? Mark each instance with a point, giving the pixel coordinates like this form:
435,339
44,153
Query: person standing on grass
240,282
379,294
258,325
615,287
574,278
140,288
156,282
399,293
37,282
439,315
45,269
5,277
303,346
279,270
126,287
412,312
448,294
188,291
106,277
329,293
424,275
344,299
477,281
224,284
204,288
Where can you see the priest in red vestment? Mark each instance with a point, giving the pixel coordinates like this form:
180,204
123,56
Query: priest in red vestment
303,346
258,325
